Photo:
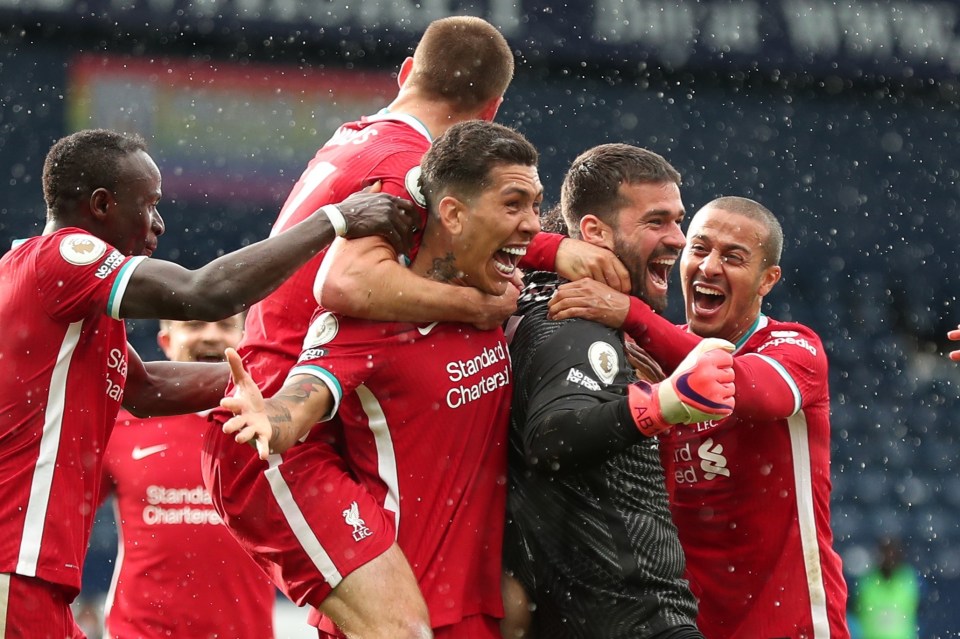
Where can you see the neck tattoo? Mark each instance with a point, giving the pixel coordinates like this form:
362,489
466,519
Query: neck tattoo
443,269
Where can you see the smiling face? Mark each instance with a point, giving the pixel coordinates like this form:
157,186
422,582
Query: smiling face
725,273
196,341
495,227
647,238
133,223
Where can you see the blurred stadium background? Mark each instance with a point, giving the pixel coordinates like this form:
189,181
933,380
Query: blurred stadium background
842,117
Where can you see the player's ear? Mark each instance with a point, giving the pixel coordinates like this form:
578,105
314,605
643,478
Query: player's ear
489,110
771,275
451,213
406,68
596,231
163,340
100,200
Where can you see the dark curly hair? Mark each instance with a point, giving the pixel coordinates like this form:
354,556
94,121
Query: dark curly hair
461,159
83,162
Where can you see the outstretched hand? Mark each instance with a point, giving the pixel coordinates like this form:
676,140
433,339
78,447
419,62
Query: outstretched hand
250,421
590,300
370,212
955,336
577,259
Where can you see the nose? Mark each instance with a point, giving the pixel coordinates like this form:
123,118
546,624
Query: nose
712,263
157,224
530,224
211,333
675,238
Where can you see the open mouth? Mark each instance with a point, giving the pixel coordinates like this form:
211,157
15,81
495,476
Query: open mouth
707,298
659,270
209,356
507,258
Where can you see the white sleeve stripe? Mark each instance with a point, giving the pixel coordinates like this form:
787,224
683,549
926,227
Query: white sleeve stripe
120,285
778,367
298,523
41,483
386,456
803,485
328,380
4,602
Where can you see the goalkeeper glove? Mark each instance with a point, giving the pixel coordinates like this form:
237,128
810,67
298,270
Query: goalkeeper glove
700,389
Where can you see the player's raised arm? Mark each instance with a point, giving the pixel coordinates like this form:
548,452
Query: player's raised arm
172,388
277,423
362,278
234,281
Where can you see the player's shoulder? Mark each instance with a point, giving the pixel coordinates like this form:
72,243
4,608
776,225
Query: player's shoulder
785,336
397,132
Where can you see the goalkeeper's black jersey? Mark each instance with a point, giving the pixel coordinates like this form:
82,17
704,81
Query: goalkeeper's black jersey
590,533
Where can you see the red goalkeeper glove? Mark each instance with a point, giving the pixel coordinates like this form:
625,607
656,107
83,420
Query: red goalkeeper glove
699,390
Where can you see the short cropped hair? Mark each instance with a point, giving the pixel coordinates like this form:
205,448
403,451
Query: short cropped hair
592,183
773,244
82,162
460,160
462,60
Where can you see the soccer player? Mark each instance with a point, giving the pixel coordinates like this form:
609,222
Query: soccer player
423,407
67,363
590,537
954,335
459,72
750,494
179,573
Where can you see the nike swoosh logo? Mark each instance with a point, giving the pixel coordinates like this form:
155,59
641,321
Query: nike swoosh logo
139,453
683,385
426,329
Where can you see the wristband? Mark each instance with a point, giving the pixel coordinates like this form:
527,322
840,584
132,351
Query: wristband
337,221
634,324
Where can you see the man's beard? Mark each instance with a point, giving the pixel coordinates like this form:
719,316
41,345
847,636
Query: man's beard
637,267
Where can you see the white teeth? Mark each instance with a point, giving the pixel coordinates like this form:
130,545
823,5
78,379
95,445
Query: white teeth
666,261
506,269
707,291
515,250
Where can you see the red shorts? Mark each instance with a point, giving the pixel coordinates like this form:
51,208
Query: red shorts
472,627
35,609
302,516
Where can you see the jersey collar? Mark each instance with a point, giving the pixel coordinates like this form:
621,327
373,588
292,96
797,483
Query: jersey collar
761,322
409,120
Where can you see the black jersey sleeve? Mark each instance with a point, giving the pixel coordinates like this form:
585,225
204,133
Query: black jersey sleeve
576,413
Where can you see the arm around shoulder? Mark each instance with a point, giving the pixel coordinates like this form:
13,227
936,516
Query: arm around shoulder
363,278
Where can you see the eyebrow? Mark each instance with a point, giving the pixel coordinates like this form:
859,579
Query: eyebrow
664,213
725,247
510,190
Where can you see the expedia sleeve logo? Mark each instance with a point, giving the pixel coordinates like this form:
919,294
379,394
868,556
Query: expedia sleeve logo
791,338
81,249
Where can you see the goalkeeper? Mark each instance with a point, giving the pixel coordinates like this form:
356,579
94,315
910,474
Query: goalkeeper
589,539
750,494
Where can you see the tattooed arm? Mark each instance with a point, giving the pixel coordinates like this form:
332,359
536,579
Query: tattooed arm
277,423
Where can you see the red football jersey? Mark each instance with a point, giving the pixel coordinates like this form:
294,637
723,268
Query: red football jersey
423,412
384,148
750,497
179,572
64,358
